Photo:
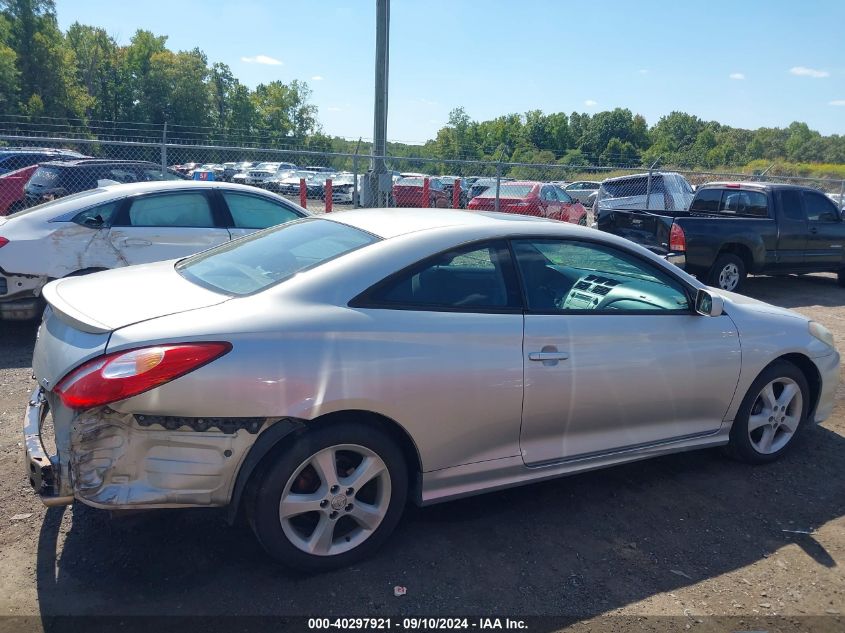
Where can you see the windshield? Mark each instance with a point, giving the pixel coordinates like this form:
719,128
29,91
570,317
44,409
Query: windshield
256,262
268,166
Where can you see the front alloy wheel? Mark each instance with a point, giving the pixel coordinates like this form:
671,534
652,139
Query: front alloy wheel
770,414
333,496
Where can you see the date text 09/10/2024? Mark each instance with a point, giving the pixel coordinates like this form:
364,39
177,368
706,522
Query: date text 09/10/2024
415,624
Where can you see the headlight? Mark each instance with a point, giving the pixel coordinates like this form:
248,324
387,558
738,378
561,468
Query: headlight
822,333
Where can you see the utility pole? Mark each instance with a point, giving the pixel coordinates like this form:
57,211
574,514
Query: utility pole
380,110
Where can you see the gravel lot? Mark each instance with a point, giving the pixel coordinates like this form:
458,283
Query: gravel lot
690,535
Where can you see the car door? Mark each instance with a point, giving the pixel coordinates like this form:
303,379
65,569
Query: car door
792,231
550,205
250,213
567,202
161,226
826,232
615,358
449,325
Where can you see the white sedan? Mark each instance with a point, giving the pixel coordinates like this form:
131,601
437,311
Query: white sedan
120,225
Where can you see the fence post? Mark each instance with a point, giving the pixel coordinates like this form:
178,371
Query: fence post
328,195
425,193
164,150
303,194
355,182
456,193
498,186
648,184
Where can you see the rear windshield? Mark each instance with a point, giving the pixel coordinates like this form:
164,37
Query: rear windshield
508,191
61,204
410,182
47,177
632,187
731,202
256,262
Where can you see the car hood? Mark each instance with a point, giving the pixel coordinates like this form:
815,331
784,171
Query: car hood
748,304
108,300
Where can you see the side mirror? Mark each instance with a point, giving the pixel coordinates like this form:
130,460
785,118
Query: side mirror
707,304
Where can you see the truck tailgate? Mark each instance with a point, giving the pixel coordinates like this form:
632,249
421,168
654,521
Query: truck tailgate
646,229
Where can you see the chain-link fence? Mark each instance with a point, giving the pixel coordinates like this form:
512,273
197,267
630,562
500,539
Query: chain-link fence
325,180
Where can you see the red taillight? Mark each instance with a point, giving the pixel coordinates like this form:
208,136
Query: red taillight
3,242
733,186
125,374
677,239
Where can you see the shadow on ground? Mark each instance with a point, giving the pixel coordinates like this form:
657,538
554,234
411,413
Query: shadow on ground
577,546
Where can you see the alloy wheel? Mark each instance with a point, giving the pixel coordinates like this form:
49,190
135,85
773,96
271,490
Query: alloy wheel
729,277
775,416
335,500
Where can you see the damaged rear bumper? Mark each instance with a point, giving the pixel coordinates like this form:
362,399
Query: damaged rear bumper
42,470
112,460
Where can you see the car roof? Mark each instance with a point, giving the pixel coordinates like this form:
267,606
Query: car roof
97,161
642,175
100,195
761,186
393,222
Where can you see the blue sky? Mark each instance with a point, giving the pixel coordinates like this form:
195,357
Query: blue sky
748,64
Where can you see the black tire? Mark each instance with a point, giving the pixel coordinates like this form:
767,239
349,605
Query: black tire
583,220
264,508
727,268
741,446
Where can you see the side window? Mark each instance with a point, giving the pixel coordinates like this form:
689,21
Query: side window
98,216
706,201
563,196
548,194
819,208
470,278
790,201
571,276
253,212
188,209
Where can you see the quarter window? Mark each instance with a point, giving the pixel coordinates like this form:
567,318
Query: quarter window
253,212
573,277
470,278
178,209
100,215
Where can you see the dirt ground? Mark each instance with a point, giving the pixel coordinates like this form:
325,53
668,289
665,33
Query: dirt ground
690,536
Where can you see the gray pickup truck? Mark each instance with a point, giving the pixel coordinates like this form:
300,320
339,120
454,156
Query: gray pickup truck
732,229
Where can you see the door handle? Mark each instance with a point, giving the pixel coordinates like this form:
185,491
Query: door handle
545,356
129,241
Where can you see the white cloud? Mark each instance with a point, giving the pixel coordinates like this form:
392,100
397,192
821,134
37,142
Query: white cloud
333,109
803,71
837,102
316,78
643,71
590,103
262,59
738,76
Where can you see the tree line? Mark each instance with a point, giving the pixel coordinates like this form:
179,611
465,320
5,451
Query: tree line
85,77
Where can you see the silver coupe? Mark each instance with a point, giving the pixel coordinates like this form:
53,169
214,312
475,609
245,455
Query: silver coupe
320,374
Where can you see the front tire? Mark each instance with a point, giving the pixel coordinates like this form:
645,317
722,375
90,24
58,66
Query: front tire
728,273
331,498
770,415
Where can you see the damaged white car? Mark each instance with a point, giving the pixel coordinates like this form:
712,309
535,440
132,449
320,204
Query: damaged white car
120,225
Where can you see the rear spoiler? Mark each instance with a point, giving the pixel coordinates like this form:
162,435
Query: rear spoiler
69,314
